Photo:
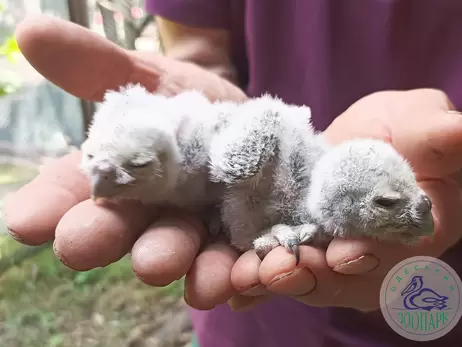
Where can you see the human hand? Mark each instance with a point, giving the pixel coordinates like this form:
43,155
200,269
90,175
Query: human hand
423,126
56,205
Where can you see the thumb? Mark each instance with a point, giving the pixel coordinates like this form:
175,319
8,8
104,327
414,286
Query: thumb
421,124
76,59
432,144
86,65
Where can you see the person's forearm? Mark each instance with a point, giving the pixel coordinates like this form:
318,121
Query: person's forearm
208,48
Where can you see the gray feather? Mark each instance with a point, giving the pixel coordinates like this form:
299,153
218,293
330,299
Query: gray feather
255,170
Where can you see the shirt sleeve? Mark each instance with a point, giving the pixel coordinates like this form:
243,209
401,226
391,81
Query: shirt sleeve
194,13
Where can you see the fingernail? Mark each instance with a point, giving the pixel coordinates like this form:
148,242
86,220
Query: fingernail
255,289
188,301
60,257
298,282
240,303
280,277
363,264
185,297
15,236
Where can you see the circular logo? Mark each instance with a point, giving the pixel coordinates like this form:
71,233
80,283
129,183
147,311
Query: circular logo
421,298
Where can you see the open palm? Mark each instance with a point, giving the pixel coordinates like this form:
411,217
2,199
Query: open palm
56,206
165,247
423,126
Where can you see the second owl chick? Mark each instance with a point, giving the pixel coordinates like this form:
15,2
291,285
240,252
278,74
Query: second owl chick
286,186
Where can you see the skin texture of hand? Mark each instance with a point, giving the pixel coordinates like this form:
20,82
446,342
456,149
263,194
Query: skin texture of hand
164,245
423,126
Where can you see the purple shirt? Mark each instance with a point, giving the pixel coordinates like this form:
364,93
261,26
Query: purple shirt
327,54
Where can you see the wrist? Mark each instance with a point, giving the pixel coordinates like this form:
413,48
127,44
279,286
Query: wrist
169,77
209,48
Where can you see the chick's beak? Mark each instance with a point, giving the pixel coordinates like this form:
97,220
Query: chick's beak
106,181
101,184
95,186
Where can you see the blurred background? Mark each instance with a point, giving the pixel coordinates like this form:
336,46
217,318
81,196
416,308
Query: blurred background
43,303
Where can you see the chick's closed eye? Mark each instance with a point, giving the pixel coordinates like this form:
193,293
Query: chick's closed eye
386,202
139,164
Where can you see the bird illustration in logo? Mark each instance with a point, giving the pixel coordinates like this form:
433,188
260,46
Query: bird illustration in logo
417,297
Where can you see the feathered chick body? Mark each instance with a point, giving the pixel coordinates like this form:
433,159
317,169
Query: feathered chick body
154,149
287,186
255,169
265,156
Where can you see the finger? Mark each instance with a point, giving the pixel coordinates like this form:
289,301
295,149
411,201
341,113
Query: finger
421,124
362,256
32,213
444,143
245,275
208,283
166,251
313,282
280,274
434,143
91,235
76,59
181,75
447,204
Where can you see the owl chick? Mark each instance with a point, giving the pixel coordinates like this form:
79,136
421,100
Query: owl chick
153,149
258,167
265,156
364,186
286,186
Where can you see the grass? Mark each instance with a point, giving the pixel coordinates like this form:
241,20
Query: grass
43,303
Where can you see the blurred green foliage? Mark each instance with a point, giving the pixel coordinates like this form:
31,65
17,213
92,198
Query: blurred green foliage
44,303
9,49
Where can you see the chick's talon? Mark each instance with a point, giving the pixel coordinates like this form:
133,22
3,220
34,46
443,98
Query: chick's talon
295,249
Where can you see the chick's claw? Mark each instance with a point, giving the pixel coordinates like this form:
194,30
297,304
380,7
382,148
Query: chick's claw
303,234
294,248
278,235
